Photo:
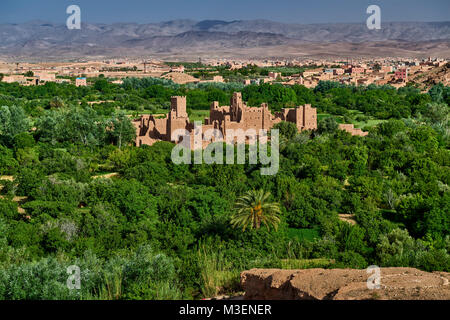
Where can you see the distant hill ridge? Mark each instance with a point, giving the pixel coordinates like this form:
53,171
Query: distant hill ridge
41,37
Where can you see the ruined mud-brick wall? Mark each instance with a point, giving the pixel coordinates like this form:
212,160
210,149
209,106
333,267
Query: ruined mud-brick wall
237,116
352,130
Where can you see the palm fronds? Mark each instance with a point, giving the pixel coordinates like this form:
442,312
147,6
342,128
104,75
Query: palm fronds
252,209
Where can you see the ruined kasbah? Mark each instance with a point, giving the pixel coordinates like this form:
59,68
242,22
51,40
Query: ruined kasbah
236,116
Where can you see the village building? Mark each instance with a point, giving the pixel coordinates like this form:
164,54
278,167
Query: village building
21,79
386,69
14,78
274,75
338,71
177,69
80,82
356,70
216,78
401,74
322,77
306,74
44,76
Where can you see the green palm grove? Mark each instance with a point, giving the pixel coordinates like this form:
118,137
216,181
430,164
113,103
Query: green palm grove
76,191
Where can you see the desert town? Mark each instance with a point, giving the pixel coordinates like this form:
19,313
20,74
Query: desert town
151,128
397,72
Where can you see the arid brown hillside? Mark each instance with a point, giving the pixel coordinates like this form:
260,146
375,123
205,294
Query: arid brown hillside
432,77
187,39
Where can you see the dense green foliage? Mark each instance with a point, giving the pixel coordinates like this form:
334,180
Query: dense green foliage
156,230
251,71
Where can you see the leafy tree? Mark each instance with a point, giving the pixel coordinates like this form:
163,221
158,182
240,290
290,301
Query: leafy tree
436,92
23,140
78,125
56,102
253,208
102,85
327,125
121,130
8,209
28,179
150,276
49,126
438,113
13,121
8,165
288,130
45,279
83,126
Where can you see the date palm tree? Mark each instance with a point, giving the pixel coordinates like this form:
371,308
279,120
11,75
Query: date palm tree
252,209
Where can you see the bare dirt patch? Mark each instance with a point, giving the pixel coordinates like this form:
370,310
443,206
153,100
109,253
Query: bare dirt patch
344,284
106,176
350,218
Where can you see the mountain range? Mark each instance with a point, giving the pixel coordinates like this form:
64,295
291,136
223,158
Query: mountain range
180,38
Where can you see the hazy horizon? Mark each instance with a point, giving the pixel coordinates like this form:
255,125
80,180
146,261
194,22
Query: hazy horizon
227,21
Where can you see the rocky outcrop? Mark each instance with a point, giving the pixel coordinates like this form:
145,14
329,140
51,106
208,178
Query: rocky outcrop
344,284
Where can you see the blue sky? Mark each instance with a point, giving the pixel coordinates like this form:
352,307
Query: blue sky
297,11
